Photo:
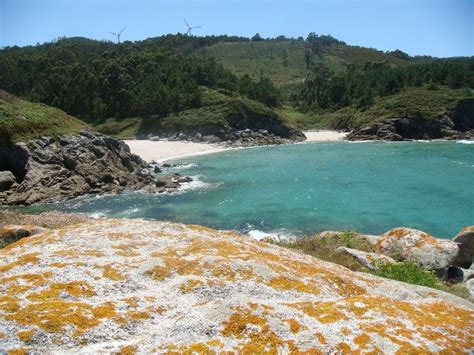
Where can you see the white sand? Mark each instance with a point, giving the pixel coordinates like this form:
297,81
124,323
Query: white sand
324,136
167,150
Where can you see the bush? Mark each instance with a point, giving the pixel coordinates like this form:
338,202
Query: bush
409,272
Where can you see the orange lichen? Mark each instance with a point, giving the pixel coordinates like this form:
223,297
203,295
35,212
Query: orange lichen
158,273
74,288
25,259
136,316
295,326
324,312
64,264
9,304
53,315
128,350
321,338
25,335
285,283
20,351
190,285
260,338
113,274
362,341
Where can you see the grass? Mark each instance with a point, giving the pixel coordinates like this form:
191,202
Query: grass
323,246
284,61
408,272
21,120
121,129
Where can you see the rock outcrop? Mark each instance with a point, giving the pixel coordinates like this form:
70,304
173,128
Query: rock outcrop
417,246
49,170
12,233
238,138
152,287
458,124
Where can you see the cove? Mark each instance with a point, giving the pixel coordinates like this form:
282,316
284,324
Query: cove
304,188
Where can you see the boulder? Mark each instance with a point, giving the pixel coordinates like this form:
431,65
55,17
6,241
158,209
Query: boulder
7,180
370,261
114,286
417,246
470,287
11,233
465,241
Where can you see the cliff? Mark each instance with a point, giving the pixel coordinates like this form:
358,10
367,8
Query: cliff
131,285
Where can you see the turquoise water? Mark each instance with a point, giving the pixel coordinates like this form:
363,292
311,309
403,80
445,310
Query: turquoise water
304,188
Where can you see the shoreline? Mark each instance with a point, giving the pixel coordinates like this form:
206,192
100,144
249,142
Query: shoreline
163,150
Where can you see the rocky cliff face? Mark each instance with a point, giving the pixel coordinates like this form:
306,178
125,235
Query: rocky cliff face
131,285
458,124
48,170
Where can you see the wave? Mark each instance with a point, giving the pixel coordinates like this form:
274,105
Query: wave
465,141
278,235
186,166
196,184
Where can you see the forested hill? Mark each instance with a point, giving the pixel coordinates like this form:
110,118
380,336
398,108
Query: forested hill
306,81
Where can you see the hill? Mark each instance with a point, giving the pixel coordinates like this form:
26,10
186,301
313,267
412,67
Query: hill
137,286
21,120
159,85
223,116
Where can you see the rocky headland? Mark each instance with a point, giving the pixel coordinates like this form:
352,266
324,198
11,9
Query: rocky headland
53,169
456,124
130,285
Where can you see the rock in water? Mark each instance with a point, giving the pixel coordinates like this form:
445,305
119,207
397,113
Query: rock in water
152,287
417,246
465,241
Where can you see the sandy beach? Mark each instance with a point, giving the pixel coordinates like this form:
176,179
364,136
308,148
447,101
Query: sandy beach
168,150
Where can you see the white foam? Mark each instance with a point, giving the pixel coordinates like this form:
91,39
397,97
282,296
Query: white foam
465,141
278,236
196,184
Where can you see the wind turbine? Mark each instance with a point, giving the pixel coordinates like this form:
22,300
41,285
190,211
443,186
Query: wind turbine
118,34
188,32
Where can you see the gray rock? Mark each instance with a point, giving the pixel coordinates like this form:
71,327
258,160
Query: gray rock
465,241
369,260
417,246
7,180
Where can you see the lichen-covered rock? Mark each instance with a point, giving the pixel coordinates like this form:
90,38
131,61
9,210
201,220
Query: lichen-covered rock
465,241
417,246
370,261
152,287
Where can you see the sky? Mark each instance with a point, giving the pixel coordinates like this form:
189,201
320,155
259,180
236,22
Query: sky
441,28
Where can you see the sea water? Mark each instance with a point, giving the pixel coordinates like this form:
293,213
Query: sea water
300,189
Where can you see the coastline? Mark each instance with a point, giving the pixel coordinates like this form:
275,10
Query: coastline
163,150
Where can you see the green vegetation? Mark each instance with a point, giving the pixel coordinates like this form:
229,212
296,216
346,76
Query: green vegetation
126,128
317,82
414,102
323,246
22,120
408,272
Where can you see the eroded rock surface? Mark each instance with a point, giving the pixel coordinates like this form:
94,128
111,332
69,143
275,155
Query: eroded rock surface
370,261
417,246
131,285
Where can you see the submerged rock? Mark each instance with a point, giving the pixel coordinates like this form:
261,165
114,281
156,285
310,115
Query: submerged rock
417,246
152,287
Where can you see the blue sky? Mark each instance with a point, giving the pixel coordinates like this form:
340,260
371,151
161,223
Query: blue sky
433,27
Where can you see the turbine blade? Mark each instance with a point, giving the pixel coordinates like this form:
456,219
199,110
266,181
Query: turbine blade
114,34
197,27
186,22
123,29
